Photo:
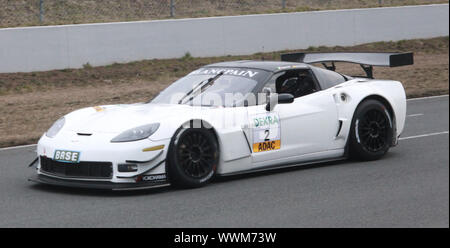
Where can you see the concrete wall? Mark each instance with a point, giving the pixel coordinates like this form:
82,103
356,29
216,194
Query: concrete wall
71,46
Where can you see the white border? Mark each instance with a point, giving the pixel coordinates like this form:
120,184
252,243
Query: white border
426,97
423,135
16,147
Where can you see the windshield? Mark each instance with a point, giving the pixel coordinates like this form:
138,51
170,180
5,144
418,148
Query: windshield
227,91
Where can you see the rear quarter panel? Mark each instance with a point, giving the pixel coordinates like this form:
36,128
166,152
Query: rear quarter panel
356,91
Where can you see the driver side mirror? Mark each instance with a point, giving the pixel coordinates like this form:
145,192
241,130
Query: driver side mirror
275,99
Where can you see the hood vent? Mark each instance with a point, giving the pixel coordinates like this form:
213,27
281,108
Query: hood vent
84,134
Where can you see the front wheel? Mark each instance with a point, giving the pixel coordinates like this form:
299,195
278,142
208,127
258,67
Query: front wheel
371,131
193,157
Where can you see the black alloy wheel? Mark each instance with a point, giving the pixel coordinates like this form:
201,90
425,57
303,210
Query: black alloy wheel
371,131
193,157
194,154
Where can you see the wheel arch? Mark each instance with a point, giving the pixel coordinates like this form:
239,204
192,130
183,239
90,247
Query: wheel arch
233,143
200,123
382,100
390,109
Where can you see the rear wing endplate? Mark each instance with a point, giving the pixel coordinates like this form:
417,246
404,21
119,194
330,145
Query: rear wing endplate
366,60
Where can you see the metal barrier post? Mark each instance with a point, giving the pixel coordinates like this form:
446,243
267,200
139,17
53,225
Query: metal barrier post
41,11
172,8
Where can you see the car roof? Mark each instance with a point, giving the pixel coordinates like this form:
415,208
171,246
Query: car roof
271,66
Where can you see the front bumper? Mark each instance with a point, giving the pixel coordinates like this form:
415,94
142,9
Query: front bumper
95,150
40,178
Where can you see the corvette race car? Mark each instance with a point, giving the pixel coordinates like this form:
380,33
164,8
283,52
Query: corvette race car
229,118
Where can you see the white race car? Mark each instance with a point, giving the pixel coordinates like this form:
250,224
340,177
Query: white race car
229,118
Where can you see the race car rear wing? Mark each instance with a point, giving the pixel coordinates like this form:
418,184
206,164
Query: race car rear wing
366,60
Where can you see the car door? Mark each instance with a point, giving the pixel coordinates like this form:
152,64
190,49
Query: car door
292,131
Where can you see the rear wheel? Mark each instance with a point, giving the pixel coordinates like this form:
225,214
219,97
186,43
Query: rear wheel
371,131
193,157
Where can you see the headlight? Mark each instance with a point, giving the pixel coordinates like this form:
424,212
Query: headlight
56,127
137,133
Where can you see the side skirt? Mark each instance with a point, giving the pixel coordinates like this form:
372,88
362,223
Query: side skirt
282,166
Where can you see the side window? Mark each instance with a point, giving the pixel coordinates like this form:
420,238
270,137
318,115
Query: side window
296,82
327,78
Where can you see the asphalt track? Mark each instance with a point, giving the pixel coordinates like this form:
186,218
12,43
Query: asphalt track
407,188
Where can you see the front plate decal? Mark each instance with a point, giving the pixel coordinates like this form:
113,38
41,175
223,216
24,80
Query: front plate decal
67,156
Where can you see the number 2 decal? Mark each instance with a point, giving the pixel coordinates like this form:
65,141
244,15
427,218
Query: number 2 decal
266,132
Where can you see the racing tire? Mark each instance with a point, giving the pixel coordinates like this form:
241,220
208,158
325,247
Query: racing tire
371,131
193,157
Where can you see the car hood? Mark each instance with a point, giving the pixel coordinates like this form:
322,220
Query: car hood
119,118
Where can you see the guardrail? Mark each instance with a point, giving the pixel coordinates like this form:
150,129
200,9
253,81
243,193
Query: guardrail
72,46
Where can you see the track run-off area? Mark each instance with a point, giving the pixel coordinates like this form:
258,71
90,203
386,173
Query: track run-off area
409,187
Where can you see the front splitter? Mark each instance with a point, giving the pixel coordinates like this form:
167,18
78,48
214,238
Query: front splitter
95,184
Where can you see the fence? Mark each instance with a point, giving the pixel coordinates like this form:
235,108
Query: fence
49,12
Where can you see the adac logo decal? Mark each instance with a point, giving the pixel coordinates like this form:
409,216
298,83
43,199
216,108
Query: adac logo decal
267,146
